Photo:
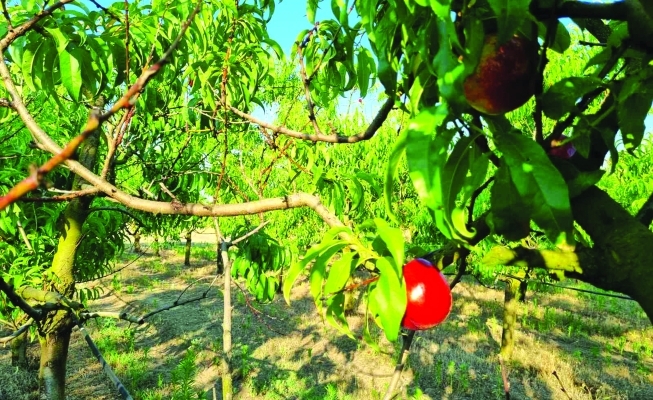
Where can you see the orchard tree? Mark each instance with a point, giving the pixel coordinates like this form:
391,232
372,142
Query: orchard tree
472,106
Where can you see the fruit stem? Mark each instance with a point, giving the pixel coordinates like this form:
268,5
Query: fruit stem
403,356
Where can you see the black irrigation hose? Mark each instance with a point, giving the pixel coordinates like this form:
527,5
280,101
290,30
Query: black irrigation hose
617,296
105,366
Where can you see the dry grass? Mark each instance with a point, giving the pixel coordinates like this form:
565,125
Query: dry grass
599,348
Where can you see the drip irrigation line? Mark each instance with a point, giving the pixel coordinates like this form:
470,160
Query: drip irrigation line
617,296
105,366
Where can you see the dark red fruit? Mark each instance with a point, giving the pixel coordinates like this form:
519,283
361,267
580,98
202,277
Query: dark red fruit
429,296
504,78
560,150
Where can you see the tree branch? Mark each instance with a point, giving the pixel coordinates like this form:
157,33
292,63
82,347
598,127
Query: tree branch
582,9
94,121
21,30
17,333
19,301
319,137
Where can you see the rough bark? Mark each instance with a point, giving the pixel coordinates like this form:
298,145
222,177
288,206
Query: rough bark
55,330
19,351
620,258
188,247
137,243
54,355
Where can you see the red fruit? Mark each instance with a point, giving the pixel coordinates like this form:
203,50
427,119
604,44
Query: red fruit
504,78
560,150
429,296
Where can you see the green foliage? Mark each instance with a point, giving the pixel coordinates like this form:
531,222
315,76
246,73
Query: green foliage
260,260
427,168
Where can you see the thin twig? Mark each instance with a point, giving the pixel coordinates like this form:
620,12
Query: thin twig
95,119
371,130
562,387
19,302
250,233
17,333
257,313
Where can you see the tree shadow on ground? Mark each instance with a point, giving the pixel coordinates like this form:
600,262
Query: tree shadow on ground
287,352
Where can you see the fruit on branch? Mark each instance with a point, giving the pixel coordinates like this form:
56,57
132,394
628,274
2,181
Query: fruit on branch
562,150
429,296
505,76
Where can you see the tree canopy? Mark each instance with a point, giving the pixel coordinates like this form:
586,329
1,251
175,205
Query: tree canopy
154,117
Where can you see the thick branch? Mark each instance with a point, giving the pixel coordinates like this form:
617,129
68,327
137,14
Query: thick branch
94,121
19,301
582,9
533,258
319,137
46,297
621,247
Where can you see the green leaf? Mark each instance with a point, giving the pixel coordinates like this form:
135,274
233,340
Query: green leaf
318,271
562,97
510,215
339,273
577,181
364,68
29,59
562,39
71,73
60,39
311,8
393,238
538,182
335,314
449,70
298,267
633,105
510,15
390,297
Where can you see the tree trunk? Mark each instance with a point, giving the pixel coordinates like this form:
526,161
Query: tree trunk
188,246
155,244
55,330
227,384
137,243
54,355
19,351
509,318
523,287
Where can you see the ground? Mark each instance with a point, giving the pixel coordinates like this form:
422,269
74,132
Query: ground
569,345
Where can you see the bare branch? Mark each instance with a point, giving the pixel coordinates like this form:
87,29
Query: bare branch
66,197
334,138
17,333
21,30
615,10
48,298
108,314
6,103
19,301
250,233
94,120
